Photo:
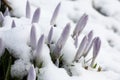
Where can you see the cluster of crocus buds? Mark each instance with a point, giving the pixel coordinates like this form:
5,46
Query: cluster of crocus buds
85,45
37,46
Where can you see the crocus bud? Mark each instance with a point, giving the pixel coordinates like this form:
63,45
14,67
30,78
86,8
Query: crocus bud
61,41
33,37
31,73
6,13
81,49
89,43
55,14
13,24
96,48
28,10
39,50
36,16
80,25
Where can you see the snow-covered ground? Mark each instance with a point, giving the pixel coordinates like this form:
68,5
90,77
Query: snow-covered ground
104,20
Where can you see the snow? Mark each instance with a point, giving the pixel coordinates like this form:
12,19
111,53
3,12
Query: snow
104,23
51,72
20,36
20,68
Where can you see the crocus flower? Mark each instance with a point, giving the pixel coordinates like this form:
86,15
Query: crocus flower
33,37
39,50
55,14
61,41
6,13
80,25
1,47
96,48
50,35
81,49
31,73
13,24
1,17
28,10
89,43
36,16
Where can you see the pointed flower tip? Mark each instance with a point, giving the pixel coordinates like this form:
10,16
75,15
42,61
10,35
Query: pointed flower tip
36,16
90,35
55,14
91,32
65,33
28,11
67,28
96,46
6,13
85,15
83,20
80,25
31,73
13,24
61,41
33,37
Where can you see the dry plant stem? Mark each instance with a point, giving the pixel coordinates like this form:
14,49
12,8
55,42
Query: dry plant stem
8,69
6,3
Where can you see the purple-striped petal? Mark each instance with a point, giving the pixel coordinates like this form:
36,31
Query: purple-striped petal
89,43
96,46
50,35
62,40
39,50
39,45
55,14
33,37
6,13
13,24
36,16
28,10
80,25
90,36
1,47
81,49
31,73
1,17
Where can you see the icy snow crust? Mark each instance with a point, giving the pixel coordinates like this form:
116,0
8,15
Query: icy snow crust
17,40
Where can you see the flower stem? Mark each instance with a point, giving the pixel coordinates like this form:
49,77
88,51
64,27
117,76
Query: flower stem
8,69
